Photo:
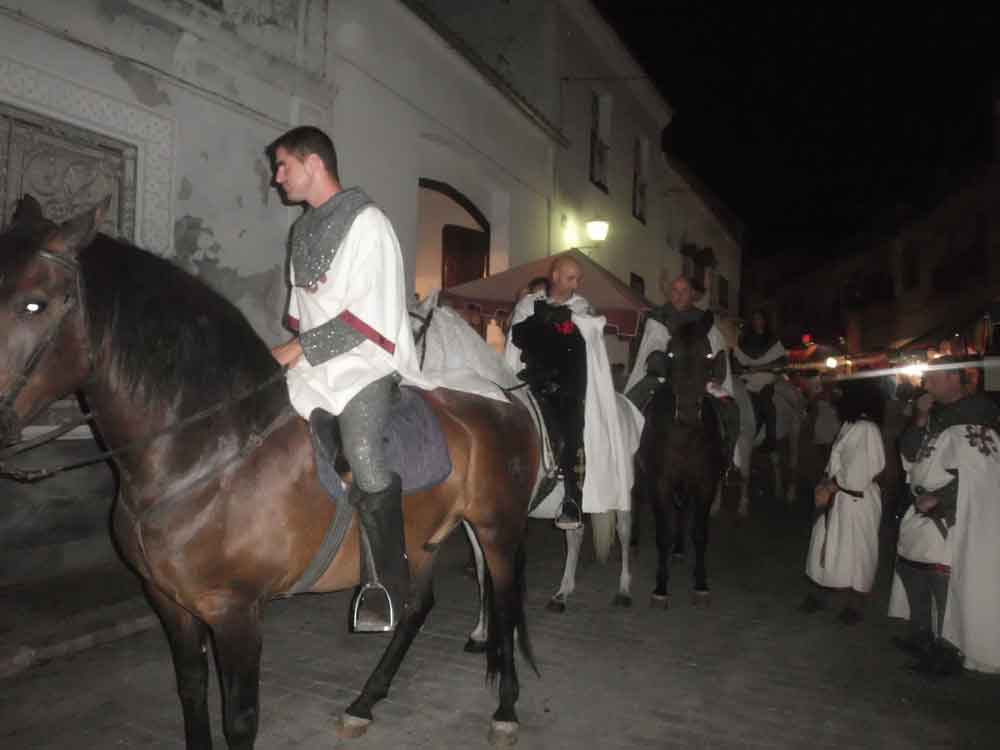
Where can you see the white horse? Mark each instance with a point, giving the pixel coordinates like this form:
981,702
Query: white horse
445,341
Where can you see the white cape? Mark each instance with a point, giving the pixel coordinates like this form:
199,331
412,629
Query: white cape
972,613
843,549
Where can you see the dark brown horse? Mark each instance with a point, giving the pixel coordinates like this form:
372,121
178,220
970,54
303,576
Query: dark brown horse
680,459
219,508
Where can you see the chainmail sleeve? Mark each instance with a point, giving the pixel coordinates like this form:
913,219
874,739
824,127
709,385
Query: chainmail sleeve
326,341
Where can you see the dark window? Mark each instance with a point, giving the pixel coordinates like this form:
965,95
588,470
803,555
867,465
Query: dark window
600,128
640,160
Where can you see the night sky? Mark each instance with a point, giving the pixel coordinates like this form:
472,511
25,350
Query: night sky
815,121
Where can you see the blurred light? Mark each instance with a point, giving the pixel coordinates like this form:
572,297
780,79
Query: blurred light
807,338
915,370
831,363
597,231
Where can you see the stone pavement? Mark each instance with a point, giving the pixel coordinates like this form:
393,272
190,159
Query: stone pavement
749,672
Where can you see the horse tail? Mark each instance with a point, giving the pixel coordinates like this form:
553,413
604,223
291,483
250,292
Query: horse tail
603,525
514,614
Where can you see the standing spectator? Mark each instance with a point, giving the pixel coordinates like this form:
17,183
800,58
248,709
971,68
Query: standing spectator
843,550
948,554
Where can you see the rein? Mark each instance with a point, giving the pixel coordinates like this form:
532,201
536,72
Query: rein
33,475
7,403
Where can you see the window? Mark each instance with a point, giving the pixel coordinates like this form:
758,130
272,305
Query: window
639,170
600,137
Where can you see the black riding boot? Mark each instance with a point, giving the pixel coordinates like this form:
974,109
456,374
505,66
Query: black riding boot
378,605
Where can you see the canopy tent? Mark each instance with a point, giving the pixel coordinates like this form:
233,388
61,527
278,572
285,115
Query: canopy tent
495,296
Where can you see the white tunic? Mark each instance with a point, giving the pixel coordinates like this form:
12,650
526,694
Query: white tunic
657,336
758,380
365,278
843,550
972,613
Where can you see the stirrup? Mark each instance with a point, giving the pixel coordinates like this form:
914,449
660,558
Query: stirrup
359,627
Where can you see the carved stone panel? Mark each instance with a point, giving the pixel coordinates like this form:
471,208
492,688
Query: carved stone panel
67,169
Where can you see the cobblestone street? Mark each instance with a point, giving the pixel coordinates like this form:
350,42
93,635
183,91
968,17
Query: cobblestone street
748,672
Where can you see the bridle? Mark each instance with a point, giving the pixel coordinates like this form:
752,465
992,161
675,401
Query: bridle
72,302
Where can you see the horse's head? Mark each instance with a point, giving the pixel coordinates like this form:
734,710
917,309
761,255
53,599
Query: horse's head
44,352
691,365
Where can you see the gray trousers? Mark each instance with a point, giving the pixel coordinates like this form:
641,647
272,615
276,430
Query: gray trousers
924,586
362,424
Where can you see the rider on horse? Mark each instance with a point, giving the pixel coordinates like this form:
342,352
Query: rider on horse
649,367
556,368
348,305
760,352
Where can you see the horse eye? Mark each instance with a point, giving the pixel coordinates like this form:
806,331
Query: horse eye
33,307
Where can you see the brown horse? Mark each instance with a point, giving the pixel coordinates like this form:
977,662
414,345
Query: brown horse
219,508
680,458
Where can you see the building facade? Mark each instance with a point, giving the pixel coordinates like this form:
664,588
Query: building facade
488,132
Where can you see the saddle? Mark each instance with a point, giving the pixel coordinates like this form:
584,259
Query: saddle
415,446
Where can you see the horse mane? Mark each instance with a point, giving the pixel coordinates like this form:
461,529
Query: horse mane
165,331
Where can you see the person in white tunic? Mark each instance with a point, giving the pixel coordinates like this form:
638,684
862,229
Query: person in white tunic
843,549
948,557
759,352
354,343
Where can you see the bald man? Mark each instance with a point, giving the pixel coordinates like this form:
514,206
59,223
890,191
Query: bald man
567,403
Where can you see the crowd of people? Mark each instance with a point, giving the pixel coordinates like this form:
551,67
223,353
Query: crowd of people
945,556
353,346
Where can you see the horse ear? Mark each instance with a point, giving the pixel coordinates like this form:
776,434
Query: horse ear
28,210
75,234
704,324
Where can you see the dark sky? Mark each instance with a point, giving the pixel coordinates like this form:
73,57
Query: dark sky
811,120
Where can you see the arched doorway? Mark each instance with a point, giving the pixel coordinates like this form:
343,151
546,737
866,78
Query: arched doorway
454,238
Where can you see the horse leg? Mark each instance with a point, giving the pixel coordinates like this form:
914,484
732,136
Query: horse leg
476,644
775,457
505,563
574,540
794,435
188,638
237,641
358,715
680,527
624,523
700,596
664,541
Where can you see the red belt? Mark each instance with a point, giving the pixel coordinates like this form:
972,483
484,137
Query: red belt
367,331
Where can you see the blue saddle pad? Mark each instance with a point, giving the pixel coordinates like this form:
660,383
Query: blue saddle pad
415,446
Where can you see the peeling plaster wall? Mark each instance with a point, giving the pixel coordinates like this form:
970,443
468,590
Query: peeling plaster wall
200,87
396,121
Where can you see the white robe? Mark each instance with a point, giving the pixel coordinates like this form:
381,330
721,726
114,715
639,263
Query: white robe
365,277
756,381
657,336
972,612
843,549
612,425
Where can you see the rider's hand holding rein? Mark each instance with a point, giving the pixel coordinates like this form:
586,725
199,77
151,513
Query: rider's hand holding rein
289,353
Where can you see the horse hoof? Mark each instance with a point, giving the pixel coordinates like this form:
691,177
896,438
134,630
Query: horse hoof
503,733
474,647
556,606
350,727
659,601
622,600
701,599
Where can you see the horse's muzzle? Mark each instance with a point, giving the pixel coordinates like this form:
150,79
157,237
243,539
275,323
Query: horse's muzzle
10,425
